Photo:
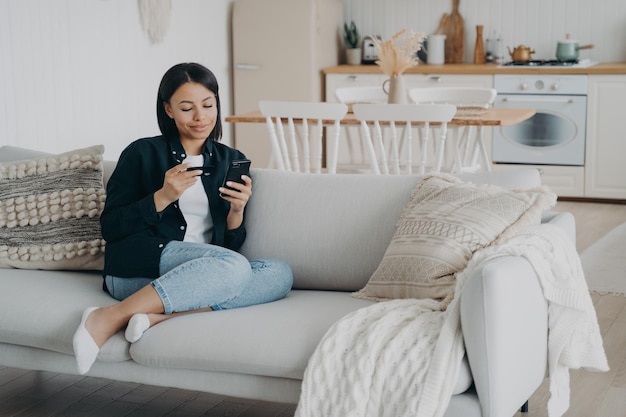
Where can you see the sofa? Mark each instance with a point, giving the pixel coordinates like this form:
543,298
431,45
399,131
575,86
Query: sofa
333,230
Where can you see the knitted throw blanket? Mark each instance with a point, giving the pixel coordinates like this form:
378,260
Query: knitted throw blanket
401,357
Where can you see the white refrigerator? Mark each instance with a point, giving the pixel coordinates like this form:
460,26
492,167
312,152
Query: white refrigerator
279,50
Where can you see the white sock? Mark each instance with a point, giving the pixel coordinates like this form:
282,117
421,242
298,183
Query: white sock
85,348
137,325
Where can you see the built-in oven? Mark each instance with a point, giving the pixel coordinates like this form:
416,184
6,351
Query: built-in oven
555,135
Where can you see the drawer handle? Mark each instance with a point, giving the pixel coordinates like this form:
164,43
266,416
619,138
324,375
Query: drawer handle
535,99
435,78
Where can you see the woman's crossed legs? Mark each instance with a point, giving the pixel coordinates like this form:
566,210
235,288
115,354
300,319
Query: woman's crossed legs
194,277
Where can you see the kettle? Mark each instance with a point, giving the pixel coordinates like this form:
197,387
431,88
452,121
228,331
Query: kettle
521,53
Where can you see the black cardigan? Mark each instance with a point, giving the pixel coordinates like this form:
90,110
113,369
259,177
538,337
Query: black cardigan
134,232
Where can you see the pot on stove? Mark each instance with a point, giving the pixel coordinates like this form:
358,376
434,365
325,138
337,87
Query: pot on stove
521,53
567,49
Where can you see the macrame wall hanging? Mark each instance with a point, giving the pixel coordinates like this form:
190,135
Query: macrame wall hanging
155,17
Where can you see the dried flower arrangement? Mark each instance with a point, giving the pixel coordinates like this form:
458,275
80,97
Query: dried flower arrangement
399,53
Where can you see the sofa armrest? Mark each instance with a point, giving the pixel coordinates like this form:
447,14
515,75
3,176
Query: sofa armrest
504,316
563,219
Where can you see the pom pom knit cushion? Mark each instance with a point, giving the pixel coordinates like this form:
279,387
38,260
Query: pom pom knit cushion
443,224
50,210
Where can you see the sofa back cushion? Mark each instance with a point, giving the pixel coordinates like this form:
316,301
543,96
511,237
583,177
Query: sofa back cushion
332,230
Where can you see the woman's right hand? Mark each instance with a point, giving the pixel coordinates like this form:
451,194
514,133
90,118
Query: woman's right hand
176,181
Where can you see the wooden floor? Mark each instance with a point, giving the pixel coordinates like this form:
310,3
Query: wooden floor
35,394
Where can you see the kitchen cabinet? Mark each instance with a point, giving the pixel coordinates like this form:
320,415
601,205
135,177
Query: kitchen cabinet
605,175
337,80
334,81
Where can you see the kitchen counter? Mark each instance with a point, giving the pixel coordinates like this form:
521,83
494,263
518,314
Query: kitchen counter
602,68
602,176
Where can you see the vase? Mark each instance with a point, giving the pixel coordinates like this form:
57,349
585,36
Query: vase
479,49
395,88
353,56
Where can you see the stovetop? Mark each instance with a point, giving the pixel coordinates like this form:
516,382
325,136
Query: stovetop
583,63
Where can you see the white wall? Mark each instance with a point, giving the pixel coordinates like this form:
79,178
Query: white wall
535,23
80,72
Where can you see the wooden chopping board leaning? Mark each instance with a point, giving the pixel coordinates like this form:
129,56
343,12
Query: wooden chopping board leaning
453,27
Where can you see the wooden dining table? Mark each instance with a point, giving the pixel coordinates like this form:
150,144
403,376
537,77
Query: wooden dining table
463,117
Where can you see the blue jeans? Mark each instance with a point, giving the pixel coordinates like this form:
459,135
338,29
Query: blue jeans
198,275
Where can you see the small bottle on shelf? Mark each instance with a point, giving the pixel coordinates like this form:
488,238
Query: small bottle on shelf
479,50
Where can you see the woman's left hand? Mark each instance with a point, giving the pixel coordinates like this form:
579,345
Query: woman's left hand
238,197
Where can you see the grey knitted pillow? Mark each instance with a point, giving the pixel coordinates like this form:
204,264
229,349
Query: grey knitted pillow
50,210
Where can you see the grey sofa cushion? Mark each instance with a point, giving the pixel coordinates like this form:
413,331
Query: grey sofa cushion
42,309
278,344
332,230
274,339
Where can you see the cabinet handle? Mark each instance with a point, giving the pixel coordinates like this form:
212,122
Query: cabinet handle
352,77
536,99
435,79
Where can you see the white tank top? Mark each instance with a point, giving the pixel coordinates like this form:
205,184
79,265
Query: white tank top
194,205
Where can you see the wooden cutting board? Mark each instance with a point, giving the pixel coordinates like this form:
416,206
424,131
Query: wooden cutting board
454,29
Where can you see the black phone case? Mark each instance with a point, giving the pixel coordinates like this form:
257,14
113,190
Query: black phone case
235,170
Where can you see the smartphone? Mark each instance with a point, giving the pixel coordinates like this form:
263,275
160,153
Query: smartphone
235,170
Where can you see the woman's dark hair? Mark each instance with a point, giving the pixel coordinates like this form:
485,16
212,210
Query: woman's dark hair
175,77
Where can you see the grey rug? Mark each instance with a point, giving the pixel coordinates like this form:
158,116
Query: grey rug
604,263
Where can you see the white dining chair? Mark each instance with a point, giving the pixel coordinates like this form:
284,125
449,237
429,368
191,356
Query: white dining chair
392,135
467,142
300,149
354,143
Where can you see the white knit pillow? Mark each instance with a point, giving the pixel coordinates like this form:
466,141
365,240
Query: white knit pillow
443,224
50,210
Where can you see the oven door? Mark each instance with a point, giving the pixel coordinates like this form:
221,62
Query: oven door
555,135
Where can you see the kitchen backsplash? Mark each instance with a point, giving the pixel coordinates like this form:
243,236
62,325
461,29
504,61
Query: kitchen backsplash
539,24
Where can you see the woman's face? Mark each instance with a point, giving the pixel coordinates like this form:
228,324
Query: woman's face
194,110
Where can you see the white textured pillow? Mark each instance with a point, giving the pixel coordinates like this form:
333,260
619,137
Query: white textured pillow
443,224
50,210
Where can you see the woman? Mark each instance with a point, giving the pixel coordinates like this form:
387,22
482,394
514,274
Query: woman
172,233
